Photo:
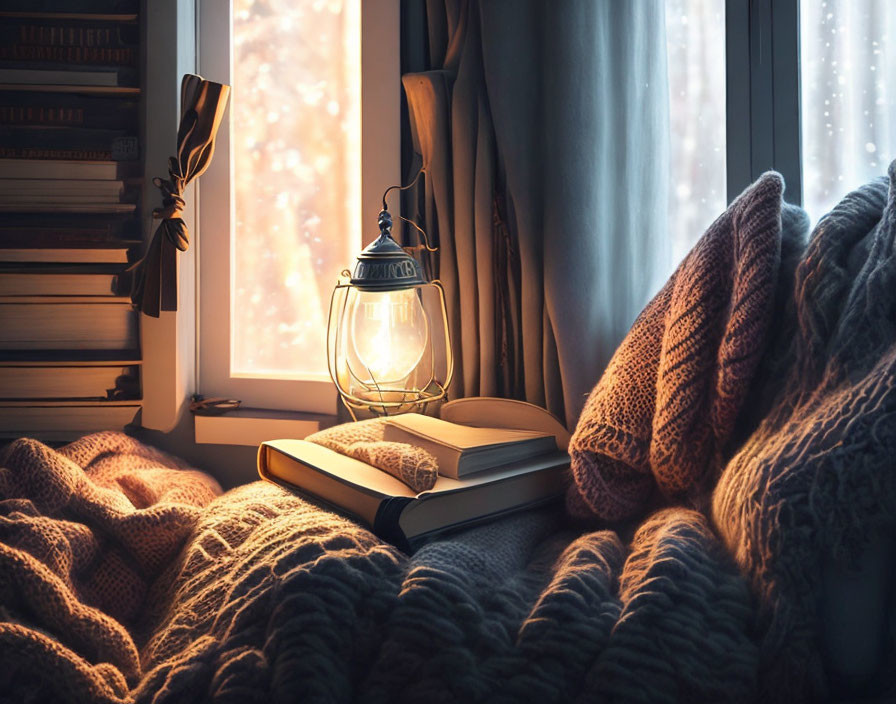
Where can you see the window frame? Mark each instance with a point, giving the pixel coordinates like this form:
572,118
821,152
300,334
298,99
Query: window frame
762,51
380,167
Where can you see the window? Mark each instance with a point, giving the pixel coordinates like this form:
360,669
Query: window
311,141
848,60
298,167
695,44
806,88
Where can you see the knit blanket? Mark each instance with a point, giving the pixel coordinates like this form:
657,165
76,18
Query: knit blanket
85,532
660,418
817,478
122,582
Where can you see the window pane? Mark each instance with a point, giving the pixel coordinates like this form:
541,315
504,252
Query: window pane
296,154
695,41
848,77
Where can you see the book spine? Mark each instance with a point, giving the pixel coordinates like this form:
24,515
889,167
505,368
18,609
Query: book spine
105,55
71,34
106,7
67,111
60,154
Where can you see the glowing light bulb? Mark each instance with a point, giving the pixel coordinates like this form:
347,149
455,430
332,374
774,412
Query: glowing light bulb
389,333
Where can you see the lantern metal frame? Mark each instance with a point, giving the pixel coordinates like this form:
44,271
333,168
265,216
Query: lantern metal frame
382,267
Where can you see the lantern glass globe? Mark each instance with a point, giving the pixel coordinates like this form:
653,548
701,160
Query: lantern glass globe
389,334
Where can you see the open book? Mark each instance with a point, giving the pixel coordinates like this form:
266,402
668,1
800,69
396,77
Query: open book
394,511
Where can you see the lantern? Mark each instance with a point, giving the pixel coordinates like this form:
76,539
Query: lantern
388,346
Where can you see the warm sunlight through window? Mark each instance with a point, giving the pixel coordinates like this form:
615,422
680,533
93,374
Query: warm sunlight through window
695,42
296,140
848,65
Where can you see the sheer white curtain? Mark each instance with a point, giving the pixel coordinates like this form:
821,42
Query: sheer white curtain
848,74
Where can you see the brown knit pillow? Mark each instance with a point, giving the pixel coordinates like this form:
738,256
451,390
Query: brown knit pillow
364,441
664,408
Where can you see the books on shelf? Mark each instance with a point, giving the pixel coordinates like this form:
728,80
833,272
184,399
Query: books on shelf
68,323
394,511
70,190
20,381
462,450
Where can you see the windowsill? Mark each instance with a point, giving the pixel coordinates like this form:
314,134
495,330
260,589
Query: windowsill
252,426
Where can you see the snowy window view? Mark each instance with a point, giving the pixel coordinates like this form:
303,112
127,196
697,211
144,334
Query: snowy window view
695,41
848,76
296,146
296,169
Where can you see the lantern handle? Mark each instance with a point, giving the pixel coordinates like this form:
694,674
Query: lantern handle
426,244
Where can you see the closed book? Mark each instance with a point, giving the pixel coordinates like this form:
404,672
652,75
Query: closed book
53,109
53,187
60,280
63,30
67,382
64,422
461,450
40,169
394,511
80,6
64,230
69,206
80,255
33,76
68,323
81,144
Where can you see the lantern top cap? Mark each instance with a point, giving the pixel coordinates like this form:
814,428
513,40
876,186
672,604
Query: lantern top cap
384,265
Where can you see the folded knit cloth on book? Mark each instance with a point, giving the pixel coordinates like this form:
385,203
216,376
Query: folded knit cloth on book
363,440
122,581
661,416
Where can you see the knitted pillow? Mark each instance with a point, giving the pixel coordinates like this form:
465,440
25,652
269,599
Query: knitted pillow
364,441
662,412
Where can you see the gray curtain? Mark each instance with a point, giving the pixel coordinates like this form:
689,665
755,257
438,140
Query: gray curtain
543,128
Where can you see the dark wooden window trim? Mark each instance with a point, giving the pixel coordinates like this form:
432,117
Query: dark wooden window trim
762,39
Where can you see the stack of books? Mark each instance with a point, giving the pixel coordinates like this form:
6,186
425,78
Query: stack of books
484,473
70,213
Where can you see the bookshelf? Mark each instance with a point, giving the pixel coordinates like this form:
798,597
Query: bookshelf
72,154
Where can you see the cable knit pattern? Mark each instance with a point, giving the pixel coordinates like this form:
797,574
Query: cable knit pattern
84,532
817,477
363,440
664,409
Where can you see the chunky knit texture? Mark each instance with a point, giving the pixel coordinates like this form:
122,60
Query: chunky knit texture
277,600
273,598
663,411
84,533
363,440
817,477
